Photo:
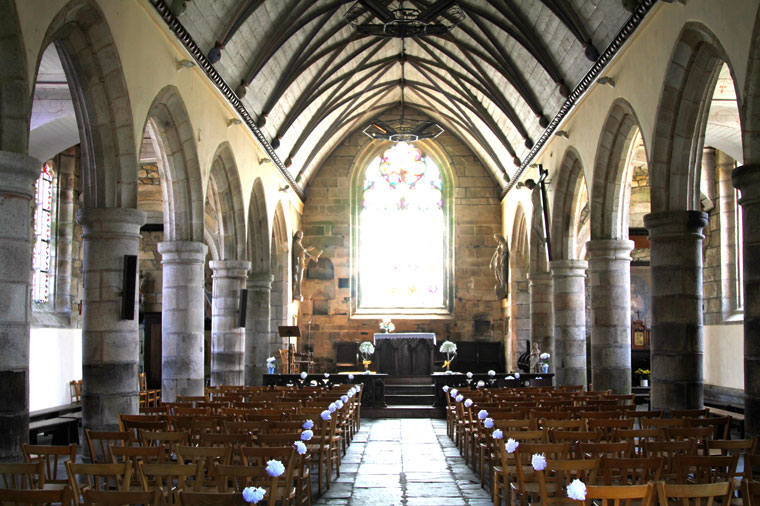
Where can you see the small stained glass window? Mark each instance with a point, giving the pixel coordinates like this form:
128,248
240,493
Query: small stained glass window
43,233
402,239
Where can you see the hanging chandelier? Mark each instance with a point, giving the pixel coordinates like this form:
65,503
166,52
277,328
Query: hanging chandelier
383,19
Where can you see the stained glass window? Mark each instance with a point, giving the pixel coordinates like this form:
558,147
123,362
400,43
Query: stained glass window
43,227
402,239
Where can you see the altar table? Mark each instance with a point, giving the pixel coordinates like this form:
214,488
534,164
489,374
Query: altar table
405,354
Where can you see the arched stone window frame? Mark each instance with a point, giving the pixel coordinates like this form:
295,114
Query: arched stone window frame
361,163
47,304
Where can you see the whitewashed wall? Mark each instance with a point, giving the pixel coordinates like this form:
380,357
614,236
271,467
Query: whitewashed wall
724,356
55,358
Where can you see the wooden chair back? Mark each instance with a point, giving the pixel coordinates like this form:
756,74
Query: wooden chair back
689,413
608,426
550,424
135,454
669,450
619,449
631,471
621,495
100,442
207,458
700,434
53,458
212,499
169,440
750,492
693,495
638,437
23,476
121,497
514,425
692,469
169,477
553,481
98,477
236,478
36,497
523,456
574,438
740,447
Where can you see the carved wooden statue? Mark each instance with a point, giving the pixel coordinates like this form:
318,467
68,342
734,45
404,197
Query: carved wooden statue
301,257
499,266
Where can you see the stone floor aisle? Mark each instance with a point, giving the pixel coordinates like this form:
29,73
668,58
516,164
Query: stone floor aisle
404,462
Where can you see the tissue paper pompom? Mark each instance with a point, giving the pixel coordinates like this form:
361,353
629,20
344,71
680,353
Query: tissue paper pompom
517,375
325,415
482,414
339,404
332,407
469,375
275,468
307,435
498,434
313,383
253,494
538,461
468,403
303,375
512,445
308,424
577,490
350,377
300,447
459,398
344,398
454,392
488,423
327,375
481,384
492,373
445,388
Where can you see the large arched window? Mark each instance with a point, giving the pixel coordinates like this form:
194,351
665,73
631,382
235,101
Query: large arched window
402,251
44,253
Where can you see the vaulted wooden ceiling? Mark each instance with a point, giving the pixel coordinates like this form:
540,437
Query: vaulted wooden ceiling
308,77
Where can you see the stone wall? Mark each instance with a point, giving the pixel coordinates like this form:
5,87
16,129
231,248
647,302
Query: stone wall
477,315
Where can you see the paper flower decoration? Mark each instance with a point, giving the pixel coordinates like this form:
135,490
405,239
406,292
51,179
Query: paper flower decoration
517,375
367,348
448,347
339,404
481,384
469,375
492,373
512,445
300,447
488,423
468,403
445,388
253,494
577,490
275,468
307,435
454,392
332,407
313,383
482,414
498,434
350,377
327,375
304,375
538,461
544,356
325,415
308,424
344,398
459,398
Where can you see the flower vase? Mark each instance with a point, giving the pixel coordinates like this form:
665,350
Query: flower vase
385,331
644,382
544,368
270,369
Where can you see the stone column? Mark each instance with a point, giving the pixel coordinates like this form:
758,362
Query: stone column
65,233
257,327
17,175
677,344
747,179
541,313
569,292
110,345
610,275
227,338
182,318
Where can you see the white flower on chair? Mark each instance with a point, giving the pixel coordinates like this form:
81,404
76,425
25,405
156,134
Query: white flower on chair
253,494
577,490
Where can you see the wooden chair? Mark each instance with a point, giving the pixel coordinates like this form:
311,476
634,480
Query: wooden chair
573,424
661,423
621,495
620,449
631,471
638,437
689,413
319,446
35,497
23,476
742,448
53,458
553,481
169,440
75,391
212,499
502,464
700,469
103,477
135,454
700,434
100,442
236,478
750,492
208,457
121,497
669,450
168,478
696,495
575,437
608,426
525,484
292,480
721,424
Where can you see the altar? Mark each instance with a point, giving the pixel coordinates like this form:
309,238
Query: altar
405,354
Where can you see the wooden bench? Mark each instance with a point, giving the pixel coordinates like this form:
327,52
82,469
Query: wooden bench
65,430
737,419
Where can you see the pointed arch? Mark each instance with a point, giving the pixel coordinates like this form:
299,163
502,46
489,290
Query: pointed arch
519,294
280,268
682,113
15,106
224,183
751,109
611,194
168,126
91,61
258,230
569,185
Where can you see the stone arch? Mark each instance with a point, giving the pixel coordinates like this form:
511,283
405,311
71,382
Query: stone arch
168,126
258,230
15,106
519,295
568,184
681,119
610,191
280,268
224,187
751,109
91,61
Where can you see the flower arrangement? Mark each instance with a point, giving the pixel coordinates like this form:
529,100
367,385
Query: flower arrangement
538,461
498,434
492,373
468,403
275,468
450,349
253,494
545,358
306,435
344,398
445,388
271,364
339,404
577,490
366,349
308,424
304,375
482,414
488,423
459,398
387,325
300,447
325,415
512,445
481,383
469,375
332,407
643,373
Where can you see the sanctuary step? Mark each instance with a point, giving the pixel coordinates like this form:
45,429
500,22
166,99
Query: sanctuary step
409,391
404,411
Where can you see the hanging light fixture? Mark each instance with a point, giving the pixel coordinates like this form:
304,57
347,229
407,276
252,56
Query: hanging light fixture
403,129
373,17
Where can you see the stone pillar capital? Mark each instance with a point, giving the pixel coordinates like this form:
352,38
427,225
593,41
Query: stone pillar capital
675,224
234,269
182,252
747,179
106,222
18,173
568,268
609,249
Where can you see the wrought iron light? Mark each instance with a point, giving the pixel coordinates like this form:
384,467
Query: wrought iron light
374,17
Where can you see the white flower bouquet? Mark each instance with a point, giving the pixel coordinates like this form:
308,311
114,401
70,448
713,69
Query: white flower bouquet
387,325
450,349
